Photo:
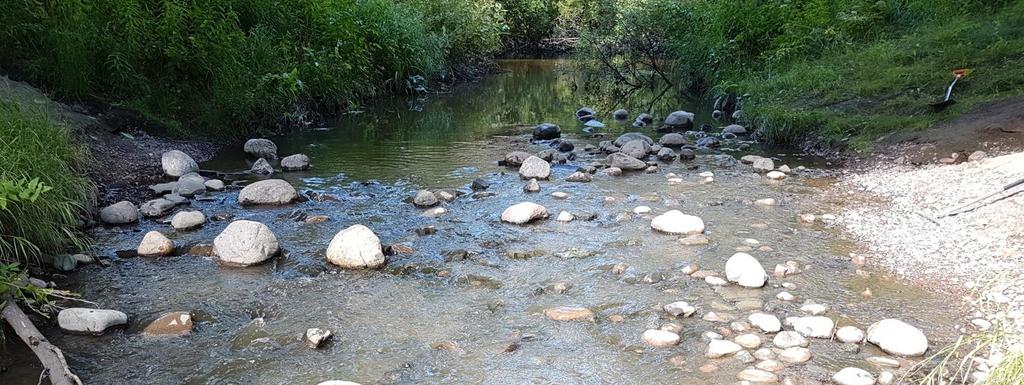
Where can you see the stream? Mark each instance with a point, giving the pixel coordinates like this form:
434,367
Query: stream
466,305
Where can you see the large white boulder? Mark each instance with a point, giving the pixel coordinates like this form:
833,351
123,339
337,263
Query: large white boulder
897,338
356,247
89,321
176,163
675,222
535,168
524,212
245,243
267,192
745,270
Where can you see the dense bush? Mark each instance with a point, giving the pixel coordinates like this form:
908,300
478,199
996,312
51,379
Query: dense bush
230,66
42,190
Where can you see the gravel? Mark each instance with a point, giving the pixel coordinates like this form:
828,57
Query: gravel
897,213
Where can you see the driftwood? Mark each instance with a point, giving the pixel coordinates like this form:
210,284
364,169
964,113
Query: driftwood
54,364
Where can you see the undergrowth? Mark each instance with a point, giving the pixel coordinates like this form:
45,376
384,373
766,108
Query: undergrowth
43,194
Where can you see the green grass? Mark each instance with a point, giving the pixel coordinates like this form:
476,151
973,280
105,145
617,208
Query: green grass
37,147
872,89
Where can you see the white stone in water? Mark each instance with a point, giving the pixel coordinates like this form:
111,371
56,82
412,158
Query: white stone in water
807,218
119,213
524,212
784,168
356,247
155,244
245,243
764,164
89,321
795,355
680,308
534,167
749,340
706,174
435,212
337,382
296,162
565,216
785,296
814,308
712,336
715,281
757,376
707,180
660,338
560,195
214,184
770,365
814,326
722,348
675,222
768,323
745,271
853,376
885,362
850,334
789,339
641,210
897,338
751,242
186,220
776,175
267,192
765,202
314,337
425,198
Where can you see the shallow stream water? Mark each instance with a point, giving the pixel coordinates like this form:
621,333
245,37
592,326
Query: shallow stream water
465,307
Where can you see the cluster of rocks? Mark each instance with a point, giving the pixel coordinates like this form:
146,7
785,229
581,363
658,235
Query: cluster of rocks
265,152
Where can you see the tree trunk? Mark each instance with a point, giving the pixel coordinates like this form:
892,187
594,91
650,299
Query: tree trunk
53,360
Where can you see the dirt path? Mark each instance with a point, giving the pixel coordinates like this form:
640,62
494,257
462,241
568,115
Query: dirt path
995,127
124,157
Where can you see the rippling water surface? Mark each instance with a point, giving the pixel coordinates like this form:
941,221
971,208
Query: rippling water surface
428,319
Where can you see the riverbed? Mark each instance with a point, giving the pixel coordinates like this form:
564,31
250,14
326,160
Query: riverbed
465,305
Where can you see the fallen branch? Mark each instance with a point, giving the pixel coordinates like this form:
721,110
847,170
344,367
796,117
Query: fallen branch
54,364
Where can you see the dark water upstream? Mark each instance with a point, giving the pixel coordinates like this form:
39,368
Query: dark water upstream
426,320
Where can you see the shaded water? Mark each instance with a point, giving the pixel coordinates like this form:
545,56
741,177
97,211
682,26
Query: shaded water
428,319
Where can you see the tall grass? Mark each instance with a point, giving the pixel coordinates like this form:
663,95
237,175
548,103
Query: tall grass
36,148
234,66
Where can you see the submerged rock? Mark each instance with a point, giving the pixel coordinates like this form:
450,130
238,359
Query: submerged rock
666,154
789,339
176,163
156,207
679,120
267,192
260,148
675,222
745,270
524,212
897,338
356,247
631,136
89,321
625,162
425,198
569,313
757,375
579,176
245,243
636,148
155,244
680,308
177,323
190,184
673,139
516,158
531,186
120,213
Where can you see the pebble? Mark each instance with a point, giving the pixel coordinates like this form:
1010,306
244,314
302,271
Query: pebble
850,334
680,308
795,355
768,323
853,376
660,338
722,348
565,216
560,195
569,313
155,244
641,210
776,175
314,337
788,339
749,340
785,296
757,375
765,202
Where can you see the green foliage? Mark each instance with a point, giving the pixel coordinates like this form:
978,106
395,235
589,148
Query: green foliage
42,191
231,66
847,70
529,21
